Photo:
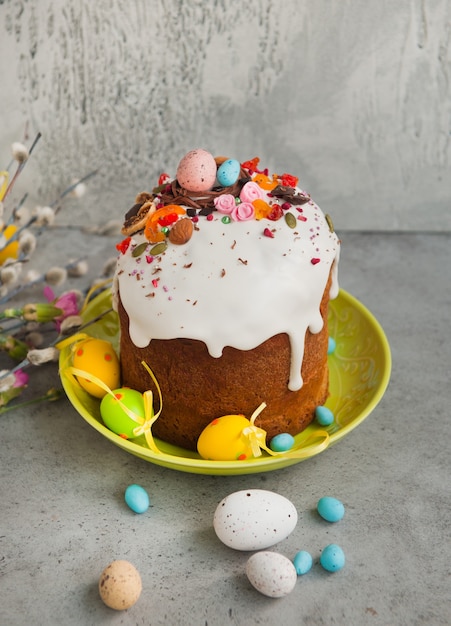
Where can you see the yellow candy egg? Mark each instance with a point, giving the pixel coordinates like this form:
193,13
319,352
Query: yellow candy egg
98,358
222,439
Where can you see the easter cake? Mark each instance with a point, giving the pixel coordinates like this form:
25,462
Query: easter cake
222,287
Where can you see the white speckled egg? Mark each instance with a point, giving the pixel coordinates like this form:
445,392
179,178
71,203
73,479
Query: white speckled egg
272,574
197,171
254,519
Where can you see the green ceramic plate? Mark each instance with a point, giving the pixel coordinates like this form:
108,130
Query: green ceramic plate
359,374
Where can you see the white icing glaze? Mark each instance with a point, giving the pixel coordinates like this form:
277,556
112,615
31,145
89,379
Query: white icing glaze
231,285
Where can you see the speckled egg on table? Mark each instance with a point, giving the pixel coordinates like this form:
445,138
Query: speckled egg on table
137,498
254,519
330,509
302,562
271,573
120,585
197,171
332,558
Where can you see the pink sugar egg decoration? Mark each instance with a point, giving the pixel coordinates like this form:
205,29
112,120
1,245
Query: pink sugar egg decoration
197,171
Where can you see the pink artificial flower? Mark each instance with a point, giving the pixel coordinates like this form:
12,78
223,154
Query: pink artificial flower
251,191
225,203
243,212
21,378
67,303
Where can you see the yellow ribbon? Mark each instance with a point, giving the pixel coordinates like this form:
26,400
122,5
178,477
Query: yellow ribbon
257,440
102,285
144,423
72,341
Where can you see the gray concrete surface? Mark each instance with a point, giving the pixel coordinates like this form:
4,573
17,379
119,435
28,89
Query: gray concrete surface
63,518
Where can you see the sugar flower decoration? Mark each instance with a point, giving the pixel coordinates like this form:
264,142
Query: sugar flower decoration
243,212
225,203
251,191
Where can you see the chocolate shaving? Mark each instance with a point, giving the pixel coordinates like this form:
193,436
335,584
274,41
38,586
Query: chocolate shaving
133,211
288,193
206,211
199,200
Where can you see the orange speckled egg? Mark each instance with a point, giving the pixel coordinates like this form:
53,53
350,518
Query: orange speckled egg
197,171
222,439
98,358
120,585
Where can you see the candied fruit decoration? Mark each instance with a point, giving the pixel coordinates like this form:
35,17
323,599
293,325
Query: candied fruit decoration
122,247
251,165
152,230
262,209
168,220
288,180
276,213
265,182
163,178
152,234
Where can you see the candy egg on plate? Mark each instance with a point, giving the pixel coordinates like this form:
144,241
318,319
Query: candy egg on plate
324,416
282,442
222,439
98,358
113,414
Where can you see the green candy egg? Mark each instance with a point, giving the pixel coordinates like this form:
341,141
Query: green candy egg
114,416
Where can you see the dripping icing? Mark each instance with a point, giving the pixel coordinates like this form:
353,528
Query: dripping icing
239,291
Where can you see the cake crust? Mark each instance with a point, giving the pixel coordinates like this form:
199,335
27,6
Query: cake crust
198,388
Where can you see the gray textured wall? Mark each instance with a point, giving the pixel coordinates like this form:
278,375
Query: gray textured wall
353,97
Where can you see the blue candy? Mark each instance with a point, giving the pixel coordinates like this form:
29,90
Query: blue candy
282,442
302,562
332,558
331,345
137,498
330,509
228,172
324,416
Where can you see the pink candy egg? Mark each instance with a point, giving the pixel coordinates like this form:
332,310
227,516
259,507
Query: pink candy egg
197,171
